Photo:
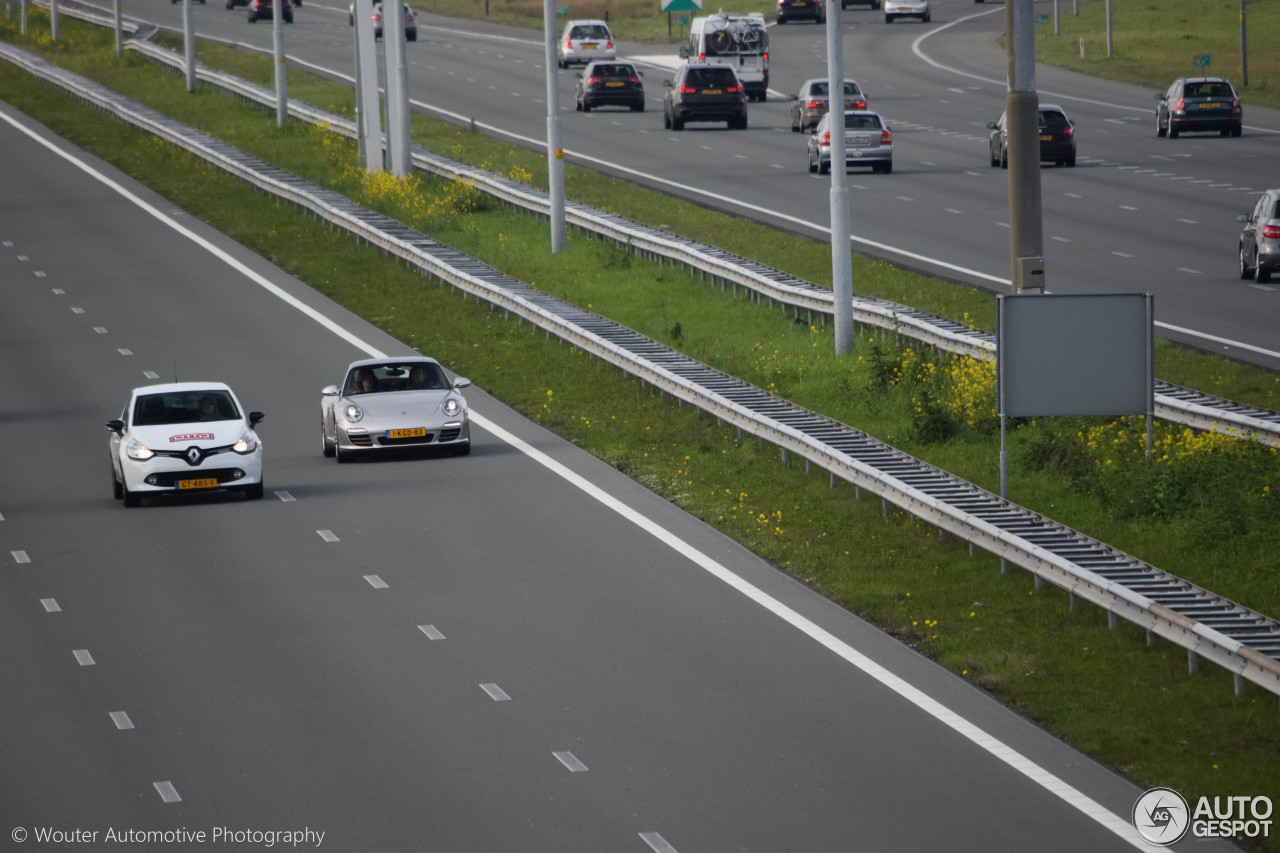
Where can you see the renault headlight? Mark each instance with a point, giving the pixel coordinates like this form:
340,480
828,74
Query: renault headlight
135,449
352,413
246,445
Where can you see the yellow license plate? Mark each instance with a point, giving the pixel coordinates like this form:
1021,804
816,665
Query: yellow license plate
588,47
416,432
1213,106
613,83
711,91
202,483
1045,137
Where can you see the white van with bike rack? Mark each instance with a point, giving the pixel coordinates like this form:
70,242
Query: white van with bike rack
739,41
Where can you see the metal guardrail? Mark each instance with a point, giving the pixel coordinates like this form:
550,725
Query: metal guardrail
1241,641
1173,403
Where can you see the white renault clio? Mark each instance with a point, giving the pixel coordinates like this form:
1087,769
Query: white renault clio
184,438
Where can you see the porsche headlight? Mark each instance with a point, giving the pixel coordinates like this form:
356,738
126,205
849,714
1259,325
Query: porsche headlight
247,444
452,407
352,413
137,450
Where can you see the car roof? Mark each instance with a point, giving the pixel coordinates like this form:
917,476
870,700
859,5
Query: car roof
813,80
596,62
171,387
374,362
586,21
1202,80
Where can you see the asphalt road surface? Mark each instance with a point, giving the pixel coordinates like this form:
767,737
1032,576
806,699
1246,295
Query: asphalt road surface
516,650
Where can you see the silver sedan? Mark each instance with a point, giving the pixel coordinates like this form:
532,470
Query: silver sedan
394,404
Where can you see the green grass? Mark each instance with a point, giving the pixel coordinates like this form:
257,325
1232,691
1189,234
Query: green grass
1131,705
1156,41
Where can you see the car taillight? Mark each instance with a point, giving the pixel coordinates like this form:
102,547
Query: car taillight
568,43
688,90
1179,105
1235,105
635,80
591,80
859,105
1067,131
885,138
608,45
816,105
702,57
1271,232
734,89
826,140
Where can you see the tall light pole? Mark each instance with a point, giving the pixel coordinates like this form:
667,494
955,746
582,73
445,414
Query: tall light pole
1022,120
277,50
555,150
841,260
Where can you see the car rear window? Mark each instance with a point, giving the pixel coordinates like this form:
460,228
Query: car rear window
613,70
863,122
1052,119
590,31
1207,90
820,89
719,78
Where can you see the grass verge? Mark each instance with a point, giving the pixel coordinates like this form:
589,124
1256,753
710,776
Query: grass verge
1107,692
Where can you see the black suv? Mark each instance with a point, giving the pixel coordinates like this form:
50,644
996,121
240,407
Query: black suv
1191,104
704,93
608,83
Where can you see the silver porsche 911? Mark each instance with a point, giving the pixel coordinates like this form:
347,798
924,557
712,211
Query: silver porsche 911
394,404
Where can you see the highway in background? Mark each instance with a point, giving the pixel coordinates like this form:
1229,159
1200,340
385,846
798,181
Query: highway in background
1137,214
519,649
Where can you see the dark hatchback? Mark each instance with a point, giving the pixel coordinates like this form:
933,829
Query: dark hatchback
615,84
801,10
704,93
261,10
1057,138
1206,104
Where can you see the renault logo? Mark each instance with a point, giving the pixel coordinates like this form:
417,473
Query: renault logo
193,456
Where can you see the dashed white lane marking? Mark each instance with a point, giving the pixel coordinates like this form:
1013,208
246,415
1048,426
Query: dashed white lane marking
1127,207
953,210
102,330
376,582
657,843
285,497
167,792
124,351
1120,825
569,760
1190,221
40,273
121,719
20,557
1189,269
328,535
1122,254
150,374
22,257
50,605
432,632
496,693
1061,239
58,291
84,658
76,309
